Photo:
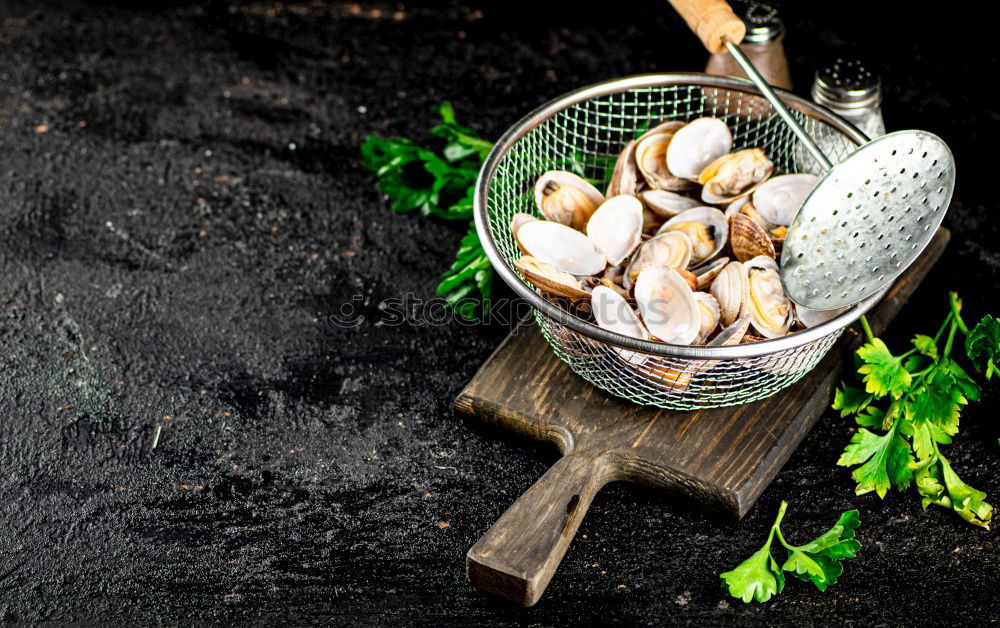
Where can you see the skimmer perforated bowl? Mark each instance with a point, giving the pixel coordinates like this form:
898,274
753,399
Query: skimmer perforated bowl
584,132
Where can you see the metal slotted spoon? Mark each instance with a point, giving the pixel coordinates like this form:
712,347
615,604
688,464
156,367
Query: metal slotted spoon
870,216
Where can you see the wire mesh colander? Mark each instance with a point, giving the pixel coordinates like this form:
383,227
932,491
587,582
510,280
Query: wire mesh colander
584,132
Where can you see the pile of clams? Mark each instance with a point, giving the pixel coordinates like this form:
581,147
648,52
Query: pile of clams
682,247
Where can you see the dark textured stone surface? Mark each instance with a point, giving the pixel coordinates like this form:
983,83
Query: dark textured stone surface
171,249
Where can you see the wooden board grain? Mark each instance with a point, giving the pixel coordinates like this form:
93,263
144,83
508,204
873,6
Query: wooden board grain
722,457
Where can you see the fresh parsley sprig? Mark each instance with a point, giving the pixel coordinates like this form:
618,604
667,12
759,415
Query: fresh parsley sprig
760,577
442,185
910,406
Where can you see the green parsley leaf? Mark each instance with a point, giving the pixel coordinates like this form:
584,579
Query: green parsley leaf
884,372
963,380
850,400
938,484
926,345
886,461
982,345
759,577
928,390
819,560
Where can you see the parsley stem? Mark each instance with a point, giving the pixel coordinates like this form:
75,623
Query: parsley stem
956,307
940,331
776,526
951,336
868,329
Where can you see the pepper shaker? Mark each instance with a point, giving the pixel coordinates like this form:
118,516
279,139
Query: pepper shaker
852,91
762,44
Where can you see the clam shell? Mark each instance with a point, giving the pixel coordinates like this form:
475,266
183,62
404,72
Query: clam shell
771,312
516,221
707,228
667,204
708,308
732,334
651,160
612,312
668,374
616,227
667,305
747,239
811,318
777,200
707,272
549,280
566,198
731,288
732,176
625,177
671,249
688,277
565,249
696,145
744,205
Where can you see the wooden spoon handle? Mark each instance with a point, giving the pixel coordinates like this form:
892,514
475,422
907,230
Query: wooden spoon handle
517,557
713,21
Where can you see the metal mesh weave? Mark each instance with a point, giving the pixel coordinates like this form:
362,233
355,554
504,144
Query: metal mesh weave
585,137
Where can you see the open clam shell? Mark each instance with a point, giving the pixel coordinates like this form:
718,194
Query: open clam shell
811,318
731,288
770,310
549,280
707,272
688,277
748,239
616,227
708,309
566,198
564,248
732,176
697,144
651,160
777,200
670,249
667,305
665,203
613,312
625,177
732,334
707,229
516,221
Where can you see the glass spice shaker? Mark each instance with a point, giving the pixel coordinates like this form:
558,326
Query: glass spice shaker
762,44
853,92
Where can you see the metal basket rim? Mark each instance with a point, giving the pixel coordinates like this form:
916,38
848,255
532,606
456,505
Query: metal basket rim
590,330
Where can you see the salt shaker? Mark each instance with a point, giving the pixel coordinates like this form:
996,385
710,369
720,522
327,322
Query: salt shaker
762,44
853,92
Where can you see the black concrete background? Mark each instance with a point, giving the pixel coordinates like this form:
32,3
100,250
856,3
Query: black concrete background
182,209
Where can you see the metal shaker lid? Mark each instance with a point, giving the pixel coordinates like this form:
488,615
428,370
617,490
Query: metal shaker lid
846,84
763,21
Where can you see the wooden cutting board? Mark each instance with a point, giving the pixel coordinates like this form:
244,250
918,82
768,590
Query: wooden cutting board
724,457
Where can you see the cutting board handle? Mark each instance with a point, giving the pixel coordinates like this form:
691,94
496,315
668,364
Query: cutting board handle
518,555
